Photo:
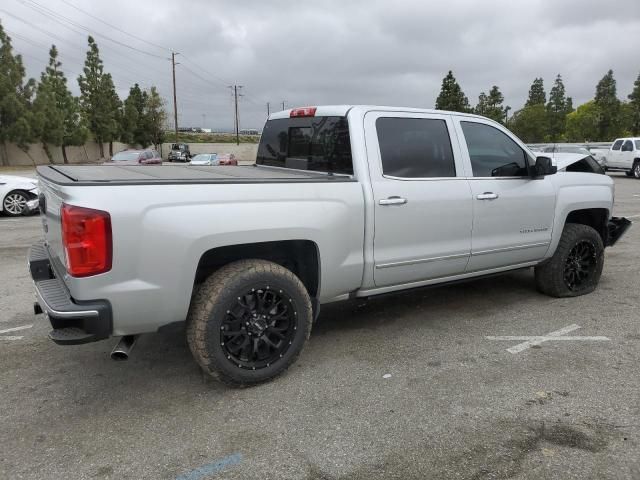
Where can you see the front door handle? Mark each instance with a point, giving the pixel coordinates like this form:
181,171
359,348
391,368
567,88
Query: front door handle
487,196
393,201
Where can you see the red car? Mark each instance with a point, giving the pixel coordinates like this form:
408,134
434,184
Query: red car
136,157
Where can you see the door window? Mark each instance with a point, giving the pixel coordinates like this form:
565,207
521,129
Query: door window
627,146
415,147
492,152
616,145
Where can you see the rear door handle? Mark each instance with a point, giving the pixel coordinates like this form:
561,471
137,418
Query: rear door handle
487,196
393,201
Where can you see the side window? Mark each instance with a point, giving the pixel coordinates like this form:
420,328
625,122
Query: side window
415,147
627,146
493,153
637,144
148,155
616,145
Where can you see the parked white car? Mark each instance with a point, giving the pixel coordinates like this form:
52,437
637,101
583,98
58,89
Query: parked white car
19,195
204,159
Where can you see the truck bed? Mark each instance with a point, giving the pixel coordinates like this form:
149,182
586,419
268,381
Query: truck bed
79,175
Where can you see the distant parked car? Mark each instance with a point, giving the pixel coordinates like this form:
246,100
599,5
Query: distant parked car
179,152
136,157
214,159
204,159
19,195
624,156
227,159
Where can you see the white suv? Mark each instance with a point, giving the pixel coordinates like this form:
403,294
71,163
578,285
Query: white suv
624,155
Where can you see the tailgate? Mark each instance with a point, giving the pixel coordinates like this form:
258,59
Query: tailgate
51,198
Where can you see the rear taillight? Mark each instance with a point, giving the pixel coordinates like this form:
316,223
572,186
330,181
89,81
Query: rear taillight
303,112
86,238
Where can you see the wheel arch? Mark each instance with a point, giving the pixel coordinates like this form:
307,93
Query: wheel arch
302,257
595,218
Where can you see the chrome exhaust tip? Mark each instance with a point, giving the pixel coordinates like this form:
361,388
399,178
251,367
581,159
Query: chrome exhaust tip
123,348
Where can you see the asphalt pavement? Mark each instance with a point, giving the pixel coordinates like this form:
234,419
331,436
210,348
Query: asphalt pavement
405,386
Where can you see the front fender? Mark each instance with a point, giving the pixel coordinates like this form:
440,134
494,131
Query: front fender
579,196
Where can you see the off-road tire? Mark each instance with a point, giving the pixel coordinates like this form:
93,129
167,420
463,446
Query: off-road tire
636,169
550,275
210,306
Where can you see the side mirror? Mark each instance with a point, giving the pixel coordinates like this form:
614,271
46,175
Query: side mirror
544,167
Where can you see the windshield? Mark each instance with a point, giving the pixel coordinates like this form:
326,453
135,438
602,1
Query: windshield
202,157
570,149
125,156
178,146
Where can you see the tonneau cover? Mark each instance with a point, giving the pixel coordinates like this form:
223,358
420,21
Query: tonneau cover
78,175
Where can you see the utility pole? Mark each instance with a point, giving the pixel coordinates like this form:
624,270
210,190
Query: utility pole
175,101
283,105
237,120
268,112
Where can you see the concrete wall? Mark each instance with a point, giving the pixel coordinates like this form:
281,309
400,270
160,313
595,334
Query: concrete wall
90,152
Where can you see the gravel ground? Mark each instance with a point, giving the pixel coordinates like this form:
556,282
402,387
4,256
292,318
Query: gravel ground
453,404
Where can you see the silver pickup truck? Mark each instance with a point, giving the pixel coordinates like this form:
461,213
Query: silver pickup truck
343,202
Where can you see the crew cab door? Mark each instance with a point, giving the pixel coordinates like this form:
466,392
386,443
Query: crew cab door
627,154
422,210
512,212
614,158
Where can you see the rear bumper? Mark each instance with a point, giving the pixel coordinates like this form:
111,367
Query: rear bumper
616,228
74,322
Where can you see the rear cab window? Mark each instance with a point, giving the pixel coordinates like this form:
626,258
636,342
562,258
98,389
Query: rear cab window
320,144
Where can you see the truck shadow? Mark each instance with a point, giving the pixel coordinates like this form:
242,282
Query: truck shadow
471,298
161,362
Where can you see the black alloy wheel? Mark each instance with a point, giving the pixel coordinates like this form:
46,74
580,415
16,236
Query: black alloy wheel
258,328
580,265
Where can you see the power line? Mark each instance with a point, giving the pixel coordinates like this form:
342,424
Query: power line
61,19
115,27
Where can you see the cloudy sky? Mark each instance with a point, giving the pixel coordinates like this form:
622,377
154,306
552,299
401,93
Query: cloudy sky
332,52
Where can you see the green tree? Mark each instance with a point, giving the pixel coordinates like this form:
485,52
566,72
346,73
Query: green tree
98,99
133,122
557,110
537,95
15,99
491,105
634,108
609,106
583,123
451,96
155,117
530,123
483,105
57,118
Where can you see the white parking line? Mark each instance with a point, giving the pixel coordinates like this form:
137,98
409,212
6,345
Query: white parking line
15,329
534,340
9,337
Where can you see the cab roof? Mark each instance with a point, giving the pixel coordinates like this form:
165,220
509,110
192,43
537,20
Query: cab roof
342,110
